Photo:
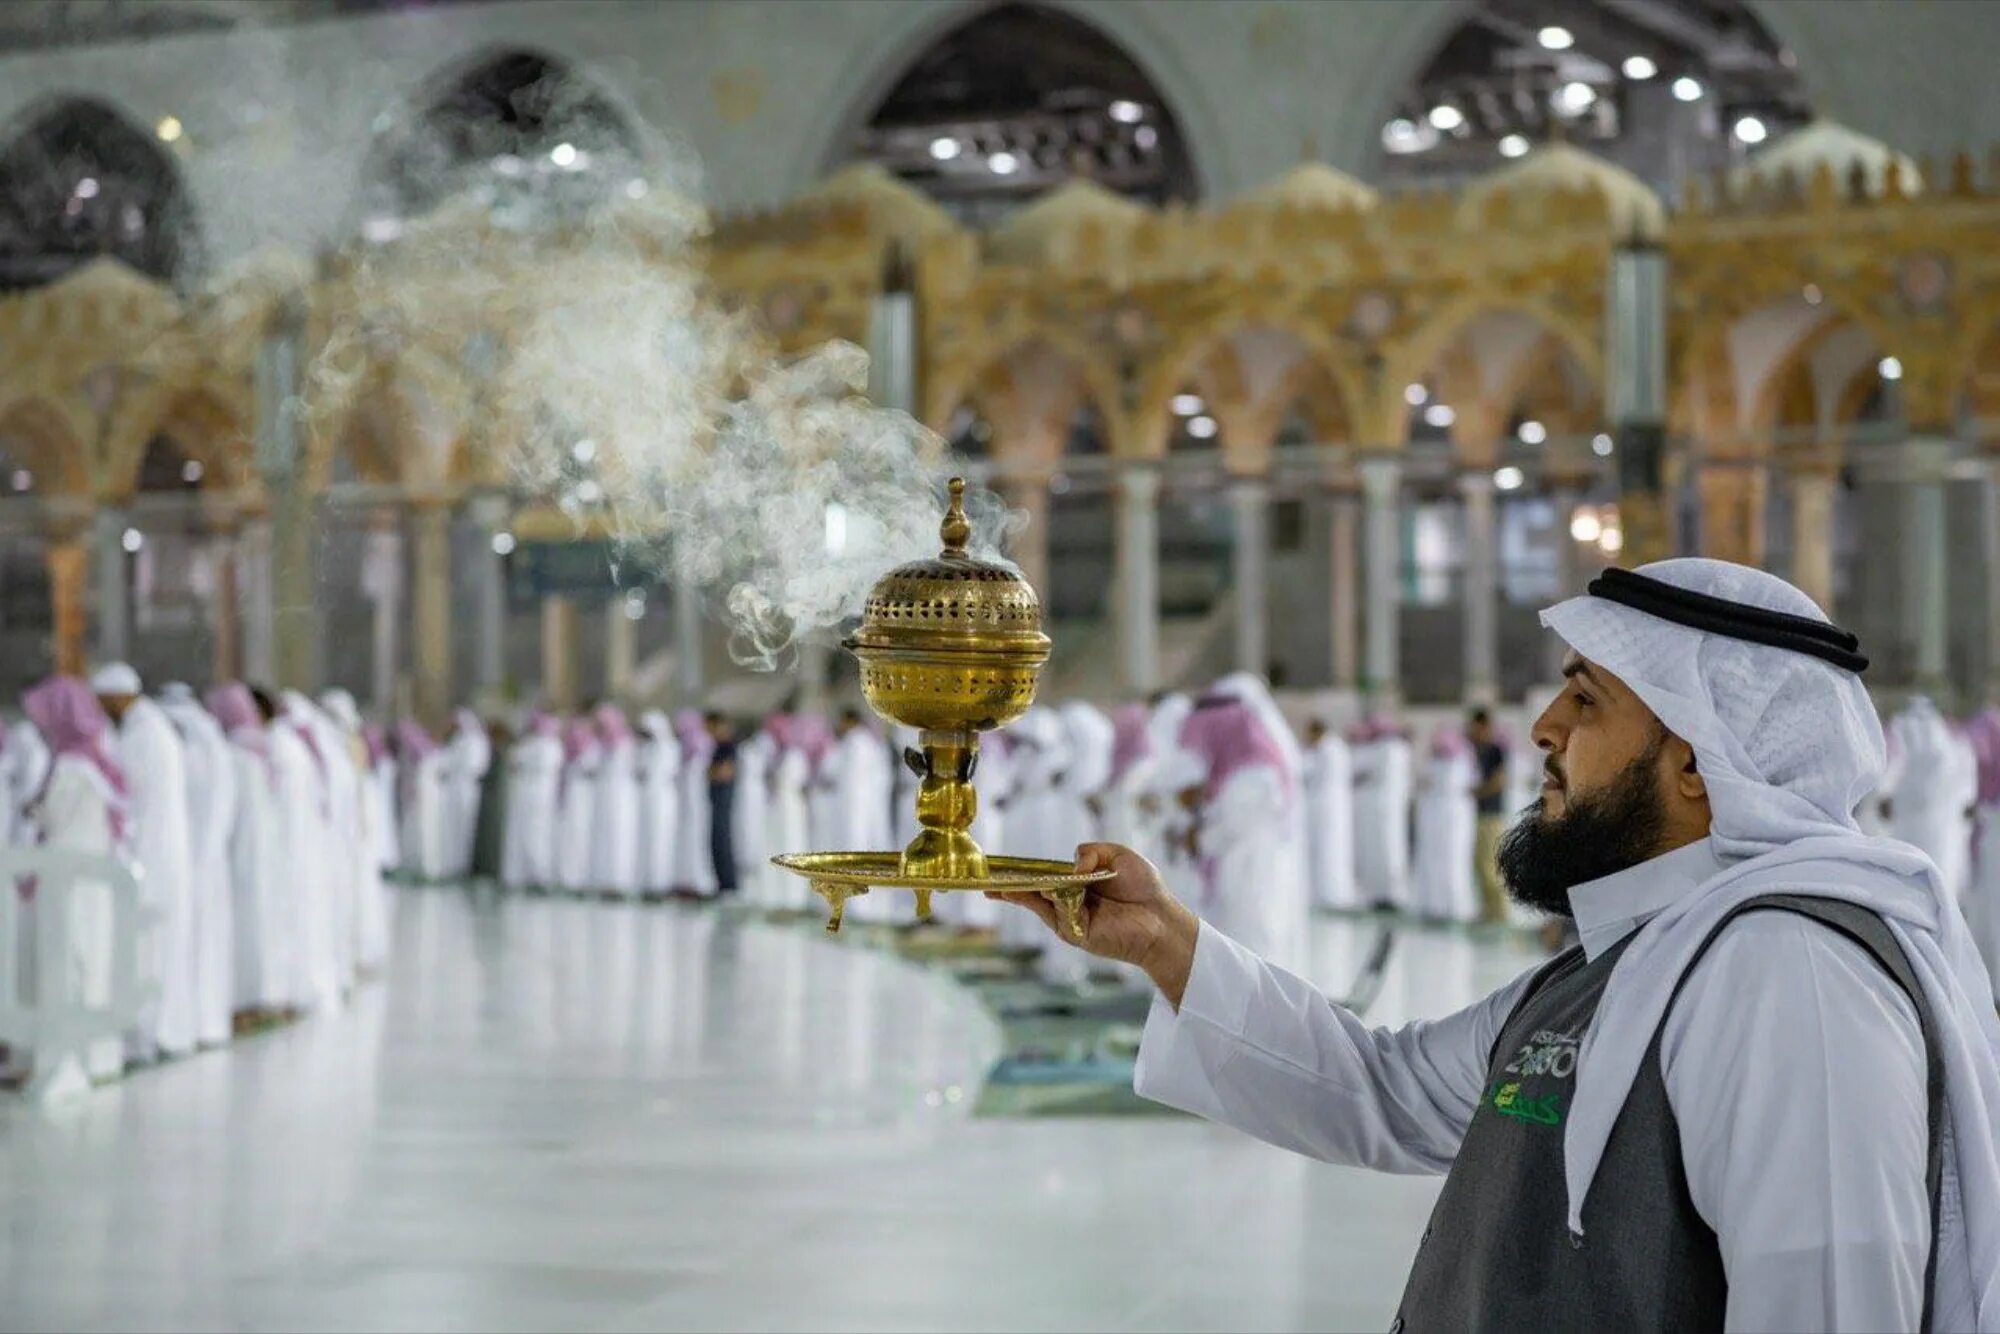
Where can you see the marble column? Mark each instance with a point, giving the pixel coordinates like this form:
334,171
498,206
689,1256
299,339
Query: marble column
1344,587
559,631
113,593
1813,491
1030,547
67,557
1250,506
260,622
431,611
1138,578
382,578
1481,587
1924,558
690,666
621,649
489,514
295,598
1381,489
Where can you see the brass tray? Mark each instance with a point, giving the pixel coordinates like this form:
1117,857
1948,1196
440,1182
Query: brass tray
839,876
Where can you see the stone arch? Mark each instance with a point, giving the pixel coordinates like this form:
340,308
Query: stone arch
1216,347
79,180
209,423
950,385
46,440
906,34
1412,357
1031,396
1494,365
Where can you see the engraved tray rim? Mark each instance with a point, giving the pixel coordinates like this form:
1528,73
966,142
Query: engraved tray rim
878,870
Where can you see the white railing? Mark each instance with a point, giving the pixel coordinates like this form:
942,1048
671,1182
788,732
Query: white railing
42,1012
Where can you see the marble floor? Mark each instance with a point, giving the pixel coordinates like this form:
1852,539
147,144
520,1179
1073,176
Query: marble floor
558,1115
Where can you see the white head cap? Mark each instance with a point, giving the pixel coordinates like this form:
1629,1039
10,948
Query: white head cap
116,678
1788,744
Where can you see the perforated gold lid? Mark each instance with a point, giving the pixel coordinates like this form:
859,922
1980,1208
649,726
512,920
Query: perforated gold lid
954,601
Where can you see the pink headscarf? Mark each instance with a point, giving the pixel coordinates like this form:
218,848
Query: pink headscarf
579,739
1449,742
782,730
611,724
1132,738
236,709
413,743
1228,738
72,722
377,742
696,744
815,737
544,723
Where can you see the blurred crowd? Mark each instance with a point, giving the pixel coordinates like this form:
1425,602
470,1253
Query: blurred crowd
262,824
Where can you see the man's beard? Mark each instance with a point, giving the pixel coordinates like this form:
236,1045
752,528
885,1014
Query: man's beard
1543,858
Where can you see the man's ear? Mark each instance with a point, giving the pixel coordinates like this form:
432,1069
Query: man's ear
1688,781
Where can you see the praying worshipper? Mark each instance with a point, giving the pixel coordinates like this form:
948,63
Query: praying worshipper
1382,775
1327,793
1933,790
857,782
1761,1093
425,824
320,847
616,843
467,754
1089,739
1161,803
659,801
576,806
370,895
265,906
694,855
722,800
790,819
382,797
489,827
85,807
1442,884
750,817
534,784
1495,779
24,771
1255,693
150,753
1039,818
212,813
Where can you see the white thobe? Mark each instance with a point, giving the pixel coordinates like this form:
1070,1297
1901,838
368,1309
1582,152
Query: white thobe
1040,818
75,815
791,823
264,877
315,978
994,782
348,842
1382,820
1793,1064
1328,794
528,841
749,825
150,751
1934,791
857,770
388,822
24,766
425,821
694,852
467,756
369,896
659,809
576,862
1242,844
615,850
212,814
1442,885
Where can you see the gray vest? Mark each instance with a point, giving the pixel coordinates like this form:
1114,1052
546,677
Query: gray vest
1499,1255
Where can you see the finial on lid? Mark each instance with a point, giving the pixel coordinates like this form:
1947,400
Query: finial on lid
956,530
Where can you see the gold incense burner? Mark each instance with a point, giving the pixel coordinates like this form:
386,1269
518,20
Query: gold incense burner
953,647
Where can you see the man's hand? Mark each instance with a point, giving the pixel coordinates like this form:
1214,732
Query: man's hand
1131,917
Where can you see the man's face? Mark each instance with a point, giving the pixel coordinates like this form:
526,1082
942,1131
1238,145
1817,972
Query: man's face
115,705
1481,731
1589,734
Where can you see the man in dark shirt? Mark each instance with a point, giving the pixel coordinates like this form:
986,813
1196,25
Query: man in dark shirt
1491,794
722,800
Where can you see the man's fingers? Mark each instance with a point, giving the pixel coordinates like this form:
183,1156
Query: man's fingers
1033,902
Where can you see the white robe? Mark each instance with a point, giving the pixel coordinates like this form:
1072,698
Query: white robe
1328,794
348,842
694,854
388,822
994,782
576,827
1382,821
1934,789
1242,837
264,881
315,974
467,754
75,815
857,774
615,850
425,823
149,749
791,825
749,826
659,808
1091,738
24,766
212,814
1444,887
528,842
1041,820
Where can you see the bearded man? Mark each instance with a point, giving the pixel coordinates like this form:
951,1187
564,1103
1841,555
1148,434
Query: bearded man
1761,1093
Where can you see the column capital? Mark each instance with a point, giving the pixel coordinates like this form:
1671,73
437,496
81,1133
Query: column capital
1140,483
1477,482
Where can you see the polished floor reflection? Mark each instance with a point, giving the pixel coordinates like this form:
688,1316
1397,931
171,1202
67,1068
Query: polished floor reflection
584,1116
